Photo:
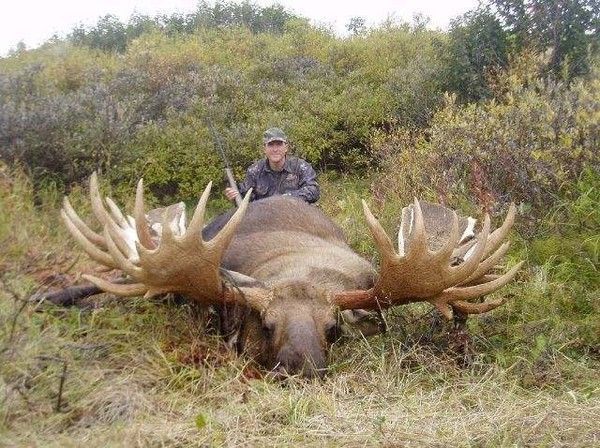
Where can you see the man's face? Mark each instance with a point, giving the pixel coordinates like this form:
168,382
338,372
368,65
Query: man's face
276,151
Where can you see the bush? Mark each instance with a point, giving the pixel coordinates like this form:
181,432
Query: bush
525,147
76,110
110,34
478,48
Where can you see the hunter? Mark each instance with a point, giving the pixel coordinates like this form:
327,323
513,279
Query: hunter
278,173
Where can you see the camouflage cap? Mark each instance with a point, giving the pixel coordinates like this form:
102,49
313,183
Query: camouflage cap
274,134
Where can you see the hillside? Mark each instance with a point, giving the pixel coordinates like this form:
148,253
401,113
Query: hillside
475,118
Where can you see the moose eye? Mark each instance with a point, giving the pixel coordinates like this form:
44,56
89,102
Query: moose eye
268,330
332,332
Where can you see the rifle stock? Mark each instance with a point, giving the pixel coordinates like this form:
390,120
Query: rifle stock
221,151
232,184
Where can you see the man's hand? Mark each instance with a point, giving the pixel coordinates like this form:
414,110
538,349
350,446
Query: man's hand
231,194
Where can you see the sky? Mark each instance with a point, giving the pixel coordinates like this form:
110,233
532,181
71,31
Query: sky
34,21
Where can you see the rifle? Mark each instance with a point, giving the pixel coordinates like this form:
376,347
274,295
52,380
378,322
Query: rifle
219,147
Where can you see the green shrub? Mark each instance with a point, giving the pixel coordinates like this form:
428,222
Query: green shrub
69,110
478,48
525,147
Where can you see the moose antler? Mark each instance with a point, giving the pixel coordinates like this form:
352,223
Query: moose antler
418,273
180,261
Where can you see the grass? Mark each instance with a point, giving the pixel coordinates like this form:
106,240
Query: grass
146,373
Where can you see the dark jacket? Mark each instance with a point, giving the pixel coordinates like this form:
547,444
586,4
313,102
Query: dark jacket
297,178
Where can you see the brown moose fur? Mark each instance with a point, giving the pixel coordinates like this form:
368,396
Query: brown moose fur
289,269
293,248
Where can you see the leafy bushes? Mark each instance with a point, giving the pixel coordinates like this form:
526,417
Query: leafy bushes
478,48
567,31
568,241
76,110
351,104
110,34
525,147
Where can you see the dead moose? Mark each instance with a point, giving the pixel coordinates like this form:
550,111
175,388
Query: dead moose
290,268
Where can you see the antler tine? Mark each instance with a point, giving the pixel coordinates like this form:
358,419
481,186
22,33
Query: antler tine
116,213
462,250
459,273
476,308
471,292
197,221
89,234
97,206
500,233
382,240
488,263
143,252
123,263
124,228
405,217
167,236
130,290
483,279
109,219
222,239
92,250
117,236
140,218
418,244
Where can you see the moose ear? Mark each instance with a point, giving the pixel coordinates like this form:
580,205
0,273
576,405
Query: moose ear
247,290
237,280
437,220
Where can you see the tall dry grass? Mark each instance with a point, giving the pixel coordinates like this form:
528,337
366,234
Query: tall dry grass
146,373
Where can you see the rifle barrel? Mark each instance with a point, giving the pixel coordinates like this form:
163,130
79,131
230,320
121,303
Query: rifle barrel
232,184
219,147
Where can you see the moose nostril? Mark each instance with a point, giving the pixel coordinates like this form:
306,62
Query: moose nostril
298,364
279,373
310,372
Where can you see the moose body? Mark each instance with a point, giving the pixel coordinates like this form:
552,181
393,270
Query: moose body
284,239
289,269
297,251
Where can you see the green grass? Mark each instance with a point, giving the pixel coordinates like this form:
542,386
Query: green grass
146,373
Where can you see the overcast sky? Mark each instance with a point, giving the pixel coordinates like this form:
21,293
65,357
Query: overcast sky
34,21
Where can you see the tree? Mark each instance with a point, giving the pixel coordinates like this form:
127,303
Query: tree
567,29
357,26
477,47
110,34
19,49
